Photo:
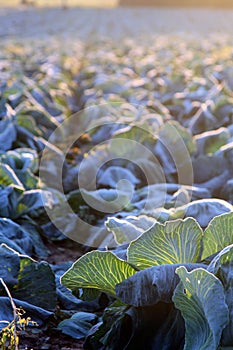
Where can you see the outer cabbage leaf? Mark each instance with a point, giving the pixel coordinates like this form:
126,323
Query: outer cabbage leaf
8,176
97,270
15,236
108,200
9,197
23,162
203,210
218,234
33,202
211,141
7,134
78,325
152,285
222,267
112,175
15,202
66,299
10,265
130,228
37,314
200,298
175,242
36,284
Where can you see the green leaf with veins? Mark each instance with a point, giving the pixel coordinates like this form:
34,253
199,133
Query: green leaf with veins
97,270
218,234
175,242
222,267
200,298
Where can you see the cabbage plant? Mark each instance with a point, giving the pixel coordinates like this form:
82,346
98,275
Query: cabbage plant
172,291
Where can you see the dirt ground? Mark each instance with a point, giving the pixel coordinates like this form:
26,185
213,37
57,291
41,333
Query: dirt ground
113,23
49,341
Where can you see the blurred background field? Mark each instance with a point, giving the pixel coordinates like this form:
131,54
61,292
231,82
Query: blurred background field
114,23
48,3
113,3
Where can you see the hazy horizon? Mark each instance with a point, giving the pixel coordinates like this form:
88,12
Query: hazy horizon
114,3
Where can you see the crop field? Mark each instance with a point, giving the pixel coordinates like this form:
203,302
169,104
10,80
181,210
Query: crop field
116,186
